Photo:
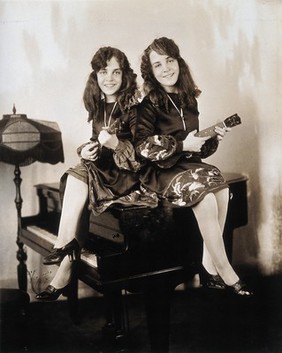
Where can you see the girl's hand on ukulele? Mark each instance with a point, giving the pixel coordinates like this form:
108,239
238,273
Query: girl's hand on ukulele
193,143
108,140
221,132
90,151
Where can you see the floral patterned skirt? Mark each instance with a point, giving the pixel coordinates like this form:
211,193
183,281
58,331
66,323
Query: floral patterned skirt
185,184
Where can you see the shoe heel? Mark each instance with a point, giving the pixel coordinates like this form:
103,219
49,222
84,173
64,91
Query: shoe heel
70,257
74,255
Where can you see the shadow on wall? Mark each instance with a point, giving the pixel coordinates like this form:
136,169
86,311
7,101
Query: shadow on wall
232,77
224,56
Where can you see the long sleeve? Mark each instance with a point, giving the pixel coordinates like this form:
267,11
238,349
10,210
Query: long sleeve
151,143
124,154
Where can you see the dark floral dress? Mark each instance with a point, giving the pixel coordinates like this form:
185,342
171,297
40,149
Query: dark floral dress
113,178
179,177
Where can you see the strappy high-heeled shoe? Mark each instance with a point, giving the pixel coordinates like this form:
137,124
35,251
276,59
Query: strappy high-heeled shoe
57,255
240,288
211,281
51,293
215,282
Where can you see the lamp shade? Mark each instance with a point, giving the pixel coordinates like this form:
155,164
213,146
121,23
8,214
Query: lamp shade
24,141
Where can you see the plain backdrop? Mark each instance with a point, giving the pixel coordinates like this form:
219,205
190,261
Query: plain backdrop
234,52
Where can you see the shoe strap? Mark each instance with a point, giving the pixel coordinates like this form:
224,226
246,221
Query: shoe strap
50,289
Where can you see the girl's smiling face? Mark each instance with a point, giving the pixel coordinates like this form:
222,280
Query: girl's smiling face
165,70
110,79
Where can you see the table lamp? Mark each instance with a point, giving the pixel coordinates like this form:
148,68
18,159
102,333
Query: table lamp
22,142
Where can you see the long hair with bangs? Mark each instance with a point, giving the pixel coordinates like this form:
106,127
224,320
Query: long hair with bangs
185,84
127,94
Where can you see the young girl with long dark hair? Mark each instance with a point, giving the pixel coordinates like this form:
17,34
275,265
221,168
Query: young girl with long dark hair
166,129
108,170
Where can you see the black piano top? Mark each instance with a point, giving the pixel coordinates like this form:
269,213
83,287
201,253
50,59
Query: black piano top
131,242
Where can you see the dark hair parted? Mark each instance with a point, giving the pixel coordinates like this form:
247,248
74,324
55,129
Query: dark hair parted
127,94
185,84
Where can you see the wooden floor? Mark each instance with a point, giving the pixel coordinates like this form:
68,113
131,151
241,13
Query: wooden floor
201,322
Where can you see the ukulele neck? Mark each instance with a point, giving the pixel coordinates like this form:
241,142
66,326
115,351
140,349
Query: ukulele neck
210,130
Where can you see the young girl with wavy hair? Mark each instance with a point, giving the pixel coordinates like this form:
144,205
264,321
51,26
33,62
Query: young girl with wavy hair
107,173
167,123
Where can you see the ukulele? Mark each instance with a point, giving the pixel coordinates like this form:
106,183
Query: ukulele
231,121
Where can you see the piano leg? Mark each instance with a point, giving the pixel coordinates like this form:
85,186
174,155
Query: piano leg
158,295
73,294
116,326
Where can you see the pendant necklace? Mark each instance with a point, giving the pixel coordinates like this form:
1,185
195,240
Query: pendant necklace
106,126
180,112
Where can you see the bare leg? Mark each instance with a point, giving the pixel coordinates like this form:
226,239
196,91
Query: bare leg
74,202
207,215
63,274
75,197
222,198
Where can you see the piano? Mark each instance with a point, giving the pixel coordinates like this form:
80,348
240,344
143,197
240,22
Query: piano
137,249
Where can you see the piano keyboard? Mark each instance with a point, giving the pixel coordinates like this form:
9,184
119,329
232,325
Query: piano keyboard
42,234
89,258
86,256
